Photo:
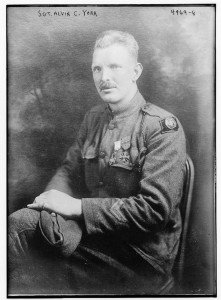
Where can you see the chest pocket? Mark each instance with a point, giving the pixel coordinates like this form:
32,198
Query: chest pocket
125,155
124,178
121,158
129,157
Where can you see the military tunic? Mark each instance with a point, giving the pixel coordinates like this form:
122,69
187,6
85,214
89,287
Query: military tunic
129,167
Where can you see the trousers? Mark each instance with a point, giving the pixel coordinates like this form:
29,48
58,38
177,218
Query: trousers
96,266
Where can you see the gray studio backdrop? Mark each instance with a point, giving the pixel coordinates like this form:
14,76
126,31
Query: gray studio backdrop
50,87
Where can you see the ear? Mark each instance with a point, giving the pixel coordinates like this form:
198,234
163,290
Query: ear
138,68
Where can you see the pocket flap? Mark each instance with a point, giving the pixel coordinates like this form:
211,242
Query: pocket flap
123,166
90,152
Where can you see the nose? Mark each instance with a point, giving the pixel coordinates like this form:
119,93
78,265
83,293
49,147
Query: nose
105,76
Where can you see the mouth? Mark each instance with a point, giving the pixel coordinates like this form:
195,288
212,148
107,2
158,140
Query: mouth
107,87
107,90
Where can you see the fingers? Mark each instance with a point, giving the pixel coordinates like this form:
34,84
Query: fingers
39,206
40,203
36,206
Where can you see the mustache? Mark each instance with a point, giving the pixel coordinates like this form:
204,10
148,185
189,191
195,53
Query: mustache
107,85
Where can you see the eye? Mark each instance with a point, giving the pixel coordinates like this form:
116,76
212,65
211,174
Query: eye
114,67
96,69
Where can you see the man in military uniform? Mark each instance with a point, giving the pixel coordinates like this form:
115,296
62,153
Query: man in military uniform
109,218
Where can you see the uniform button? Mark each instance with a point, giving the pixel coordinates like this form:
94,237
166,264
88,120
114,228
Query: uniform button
102,154
101,183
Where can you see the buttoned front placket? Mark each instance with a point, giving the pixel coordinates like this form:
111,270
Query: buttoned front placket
105,148
118,127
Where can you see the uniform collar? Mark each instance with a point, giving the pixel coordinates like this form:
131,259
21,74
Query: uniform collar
137,103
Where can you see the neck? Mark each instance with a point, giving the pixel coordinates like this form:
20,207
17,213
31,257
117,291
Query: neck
125,103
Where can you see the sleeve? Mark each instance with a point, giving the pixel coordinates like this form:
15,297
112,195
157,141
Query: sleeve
161,185
69,178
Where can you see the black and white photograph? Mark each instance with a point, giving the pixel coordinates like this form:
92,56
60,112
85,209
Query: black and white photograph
111,150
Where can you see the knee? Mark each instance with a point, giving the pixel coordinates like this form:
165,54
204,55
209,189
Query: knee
23,219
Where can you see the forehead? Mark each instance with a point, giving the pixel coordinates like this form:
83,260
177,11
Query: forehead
115,53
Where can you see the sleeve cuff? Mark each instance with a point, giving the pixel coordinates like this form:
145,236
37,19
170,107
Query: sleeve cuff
89,214
98,215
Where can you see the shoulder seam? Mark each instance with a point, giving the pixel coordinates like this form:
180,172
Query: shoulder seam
151,109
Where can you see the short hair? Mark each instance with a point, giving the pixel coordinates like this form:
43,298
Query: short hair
110,37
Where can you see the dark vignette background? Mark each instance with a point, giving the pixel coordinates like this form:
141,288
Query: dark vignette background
50,88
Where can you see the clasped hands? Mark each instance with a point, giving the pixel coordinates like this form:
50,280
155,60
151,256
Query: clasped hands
58,202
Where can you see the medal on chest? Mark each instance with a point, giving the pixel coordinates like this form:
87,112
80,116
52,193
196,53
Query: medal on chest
121,154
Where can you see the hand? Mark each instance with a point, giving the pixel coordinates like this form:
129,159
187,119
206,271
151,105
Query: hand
58,202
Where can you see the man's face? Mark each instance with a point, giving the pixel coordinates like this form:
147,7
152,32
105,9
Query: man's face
113,72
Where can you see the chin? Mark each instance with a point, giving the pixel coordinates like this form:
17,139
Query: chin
109,99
